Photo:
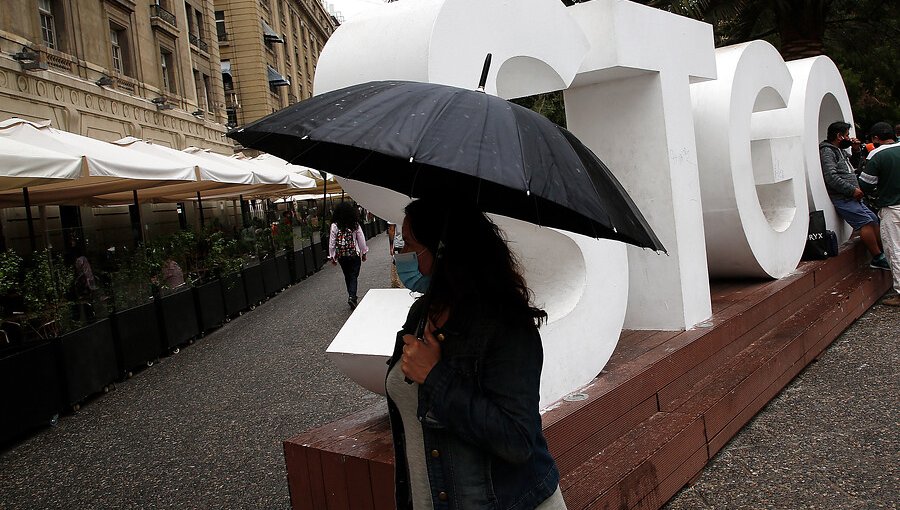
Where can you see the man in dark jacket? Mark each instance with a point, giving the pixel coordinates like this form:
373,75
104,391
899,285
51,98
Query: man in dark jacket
883,173
845,193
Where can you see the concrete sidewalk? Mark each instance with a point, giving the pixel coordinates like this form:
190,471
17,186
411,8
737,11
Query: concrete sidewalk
203,429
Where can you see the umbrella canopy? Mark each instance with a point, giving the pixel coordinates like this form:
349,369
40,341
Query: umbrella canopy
275,161
220,178
105,167
26,165
262,174
424,139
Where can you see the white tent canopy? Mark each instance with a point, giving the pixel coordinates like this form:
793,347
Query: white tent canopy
276,162
26,165
105,167
60,168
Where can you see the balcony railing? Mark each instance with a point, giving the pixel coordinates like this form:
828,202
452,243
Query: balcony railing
222,36
199,43
156,11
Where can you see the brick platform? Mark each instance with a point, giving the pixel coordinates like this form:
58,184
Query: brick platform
664,405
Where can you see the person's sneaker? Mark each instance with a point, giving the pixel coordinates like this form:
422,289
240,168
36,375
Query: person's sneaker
880,263
352,301
892,301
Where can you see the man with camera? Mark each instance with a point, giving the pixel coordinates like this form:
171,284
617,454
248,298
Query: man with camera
845,193
883,173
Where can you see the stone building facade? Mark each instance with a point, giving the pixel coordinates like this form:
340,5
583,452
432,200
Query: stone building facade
150,69
269,50
114,68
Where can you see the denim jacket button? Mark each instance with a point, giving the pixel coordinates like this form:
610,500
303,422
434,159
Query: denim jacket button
442,496
435,453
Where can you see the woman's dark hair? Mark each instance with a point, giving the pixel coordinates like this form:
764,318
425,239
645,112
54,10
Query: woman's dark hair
476,271
345,216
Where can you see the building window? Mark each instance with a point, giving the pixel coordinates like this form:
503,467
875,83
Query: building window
201,34
207,90
118,57
189,13
232,116
48,23
221,33
168,70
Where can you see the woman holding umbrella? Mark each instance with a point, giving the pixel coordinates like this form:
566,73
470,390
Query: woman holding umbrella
463,381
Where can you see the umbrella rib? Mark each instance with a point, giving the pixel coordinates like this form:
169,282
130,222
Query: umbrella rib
527,182
426,127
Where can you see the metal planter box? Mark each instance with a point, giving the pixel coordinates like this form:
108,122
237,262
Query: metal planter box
271,283
178,318
87,360
210,302
253,285
137,336
30,389
233,294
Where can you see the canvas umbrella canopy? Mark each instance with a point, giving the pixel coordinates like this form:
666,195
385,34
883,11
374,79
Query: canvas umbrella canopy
219,178
104,167
25,165
324,185
262,174
424,139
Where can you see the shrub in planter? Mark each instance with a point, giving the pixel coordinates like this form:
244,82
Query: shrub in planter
46,288
218,258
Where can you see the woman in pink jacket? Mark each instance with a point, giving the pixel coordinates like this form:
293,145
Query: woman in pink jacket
347,246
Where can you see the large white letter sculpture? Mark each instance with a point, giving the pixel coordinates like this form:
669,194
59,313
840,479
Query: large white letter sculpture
630,103
818,98
745,141
754,185
581,282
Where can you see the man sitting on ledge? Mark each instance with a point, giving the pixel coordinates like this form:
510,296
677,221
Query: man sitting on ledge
845,193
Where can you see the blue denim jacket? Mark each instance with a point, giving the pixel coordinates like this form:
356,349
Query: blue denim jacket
479,410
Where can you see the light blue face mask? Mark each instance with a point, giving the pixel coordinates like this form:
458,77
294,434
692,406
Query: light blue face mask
408,271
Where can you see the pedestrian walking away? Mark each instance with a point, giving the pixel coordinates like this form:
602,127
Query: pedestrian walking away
347,247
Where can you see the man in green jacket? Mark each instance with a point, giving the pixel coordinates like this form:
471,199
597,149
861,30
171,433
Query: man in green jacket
882,173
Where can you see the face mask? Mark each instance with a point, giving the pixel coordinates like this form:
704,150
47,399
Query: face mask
845,144
408,271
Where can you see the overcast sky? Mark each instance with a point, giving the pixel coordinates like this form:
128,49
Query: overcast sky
351,8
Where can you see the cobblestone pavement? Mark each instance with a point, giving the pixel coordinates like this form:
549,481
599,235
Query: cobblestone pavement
203,429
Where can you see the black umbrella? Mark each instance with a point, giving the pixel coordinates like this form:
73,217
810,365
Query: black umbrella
424,139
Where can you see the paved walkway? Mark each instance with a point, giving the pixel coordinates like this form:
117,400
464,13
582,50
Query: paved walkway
203,429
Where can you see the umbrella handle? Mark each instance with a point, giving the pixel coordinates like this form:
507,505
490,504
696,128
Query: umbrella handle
484,72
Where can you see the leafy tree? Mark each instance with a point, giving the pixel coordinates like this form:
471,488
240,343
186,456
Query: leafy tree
858,36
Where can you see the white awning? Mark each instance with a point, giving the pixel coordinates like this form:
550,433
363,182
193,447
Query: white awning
23,165
105,167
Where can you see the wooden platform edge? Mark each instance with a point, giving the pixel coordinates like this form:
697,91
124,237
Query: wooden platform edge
633,444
